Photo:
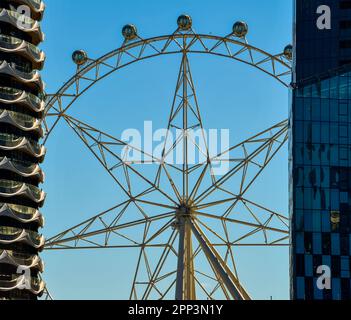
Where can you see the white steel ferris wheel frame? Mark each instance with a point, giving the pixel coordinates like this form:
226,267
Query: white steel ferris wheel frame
187,206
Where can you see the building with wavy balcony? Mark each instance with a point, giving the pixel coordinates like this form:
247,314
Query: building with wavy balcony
21,112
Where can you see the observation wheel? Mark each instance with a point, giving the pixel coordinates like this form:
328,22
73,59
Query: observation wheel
184,218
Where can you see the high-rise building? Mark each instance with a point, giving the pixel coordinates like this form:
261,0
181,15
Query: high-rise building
21,112
320,151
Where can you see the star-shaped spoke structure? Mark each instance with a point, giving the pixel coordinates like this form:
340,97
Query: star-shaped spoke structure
185,219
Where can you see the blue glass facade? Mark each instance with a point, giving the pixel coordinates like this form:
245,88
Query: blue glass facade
320,51
321,183
320,152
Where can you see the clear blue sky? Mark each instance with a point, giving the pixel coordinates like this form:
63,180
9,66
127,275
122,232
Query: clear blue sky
231,96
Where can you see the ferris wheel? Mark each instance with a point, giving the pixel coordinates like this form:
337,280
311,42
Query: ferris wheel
183,219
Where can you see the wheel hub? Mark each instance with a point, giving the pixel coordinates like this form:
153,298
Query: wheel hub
186,209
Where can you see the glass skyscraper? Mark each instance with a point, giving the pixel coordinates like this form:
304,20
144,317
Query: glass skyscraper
320,151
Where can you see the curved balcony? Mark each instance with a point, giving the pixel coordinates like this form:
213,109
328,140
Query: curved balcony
10,235
26,24
21,260
15,45
22,169
21,213
36,286
37,7
9,189
15,96
10,142
30,78
21,121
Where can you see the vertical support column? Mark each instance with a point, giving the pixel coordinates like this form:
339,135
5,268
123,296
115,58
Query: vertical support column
180,268
189,263
185,286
